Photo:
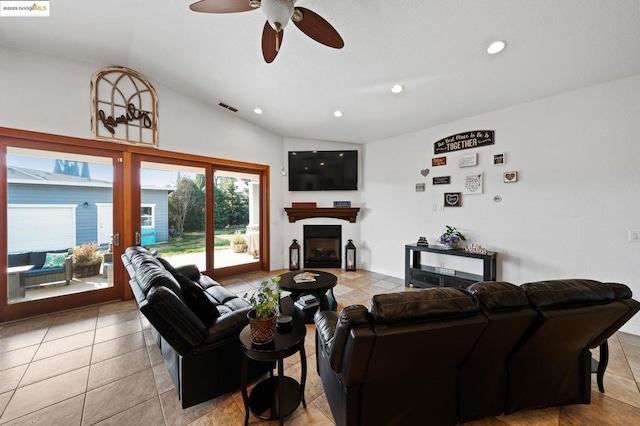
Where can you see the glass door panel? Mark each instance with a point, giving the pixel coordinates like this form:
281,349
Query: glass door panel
236,219
172,212
59,224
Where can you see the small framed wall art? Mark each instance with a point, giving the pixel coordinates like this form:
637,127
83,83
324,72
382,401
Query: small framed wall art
452,199
498,159
468,160
510,177
473,183
438,161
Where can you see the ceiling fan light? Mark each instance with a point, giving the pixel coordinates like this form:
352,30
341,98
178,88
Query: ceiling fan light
337,113
397,88
257,111
278,12
496,47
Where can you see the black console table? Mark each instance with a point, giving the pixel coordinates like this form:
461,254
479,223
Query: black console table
418,275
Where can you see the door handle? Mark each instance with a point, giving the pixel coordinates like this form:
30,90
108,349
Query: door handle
116,240
137,238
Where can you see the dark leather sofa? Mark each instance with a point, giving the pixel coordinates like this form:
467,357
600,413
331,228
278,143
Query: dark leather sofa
39,274
445,355
201,350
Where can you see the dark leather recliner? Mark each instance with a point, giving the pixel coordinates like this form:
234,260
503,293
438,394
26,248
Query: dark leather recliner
443,355
398,362
203,361
552,364
483,376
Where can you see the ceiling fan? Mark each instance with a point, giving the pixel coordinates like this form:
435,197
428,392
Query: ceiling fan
279,13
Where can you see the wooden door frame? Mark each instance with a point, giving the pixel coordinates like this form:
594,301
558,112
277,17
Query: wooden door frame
125,193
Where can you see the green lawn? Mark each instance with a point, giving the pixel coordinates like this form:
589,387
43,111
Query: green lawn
193,242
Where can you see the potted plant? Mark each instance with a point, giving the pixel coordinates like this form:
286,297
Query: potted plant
238,243
262,318
86,260
451,237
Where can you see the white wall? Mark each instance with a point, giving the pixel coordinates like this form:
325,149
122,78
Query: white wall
321,198
49,94
577,196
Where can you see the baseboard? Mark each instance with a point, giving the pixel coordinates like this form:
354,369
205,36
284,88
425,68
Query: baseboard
631,329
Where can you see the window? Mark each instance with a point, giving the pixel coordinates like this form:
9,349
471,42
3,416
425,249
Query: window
148,216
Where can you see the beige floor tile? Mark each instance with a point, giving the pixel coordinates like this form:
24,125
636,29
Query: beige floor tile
162,378
175,415
148,337
309,416
65,413
118,330
148,413
386,284
121,345
621,388
155,356
65,344
4,400
56,365
224,413
17,357
29,399
118,367
17,341
603,411
75,315
10,378
118,317
109,308
545,417
111,399
628,339
70,328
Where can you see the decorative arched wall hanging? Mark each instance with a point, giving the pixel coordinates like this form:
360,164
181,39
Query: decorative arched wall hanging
124,107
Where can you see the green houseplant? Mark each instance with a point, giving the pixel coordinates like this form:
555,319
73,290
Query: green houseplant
238,242
262,318
86,260
451,237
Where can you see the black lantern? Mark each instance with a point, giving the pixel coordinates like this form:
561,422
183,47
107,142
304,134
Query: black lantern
294,256
350,256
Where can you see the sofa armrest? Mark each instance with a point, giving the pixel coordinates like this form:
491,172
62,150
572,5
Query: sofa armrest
326,322
350,317
68,268
225,328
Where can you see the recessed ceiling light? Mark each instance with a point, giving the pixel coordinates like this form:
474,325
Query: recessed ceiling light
257,110
337,113
496,47
397,88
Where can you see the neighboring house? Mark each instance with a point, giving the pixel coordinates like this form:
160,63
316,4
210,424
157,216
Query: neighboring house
53,210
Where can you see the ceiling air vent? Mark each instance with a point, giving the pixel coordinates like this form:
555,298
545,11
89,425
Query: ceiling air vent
225,106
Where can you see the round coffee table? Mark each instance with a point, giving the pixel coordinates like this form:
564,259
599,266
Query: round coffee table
265,400
321,288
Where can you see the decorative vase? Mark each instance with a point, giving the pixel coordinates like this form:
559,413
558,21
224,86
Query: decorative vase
262,330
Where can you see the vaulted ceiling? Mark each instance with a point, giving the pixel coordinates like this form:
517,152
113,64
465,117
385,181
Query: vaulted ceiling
436,49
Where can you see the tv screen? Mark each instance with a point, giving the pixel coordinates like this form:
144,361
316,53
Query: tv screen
323,170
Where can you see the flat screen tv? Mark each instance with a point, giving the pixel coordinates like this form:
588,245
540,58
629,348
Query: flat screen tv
323,170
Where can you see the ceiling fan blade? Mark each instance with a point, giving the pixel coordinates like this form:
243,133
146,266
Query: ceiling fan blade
318,29
221,6
271,42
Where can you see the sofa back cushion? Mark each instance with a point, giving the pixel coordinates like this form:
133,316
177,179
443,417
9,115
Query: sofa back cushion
197,300
150,275
420,305
18,259
572,292
498,295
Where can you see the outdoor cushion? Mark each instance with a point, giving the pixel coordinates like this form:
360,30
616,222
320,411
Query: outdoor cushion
18,259
37,258
54,260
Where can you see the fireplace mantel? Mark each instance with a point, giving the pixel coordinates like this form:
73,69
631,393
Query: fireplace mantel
346,213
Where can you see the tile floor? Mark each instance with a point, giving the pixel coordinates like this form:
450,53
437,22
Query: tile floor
99,365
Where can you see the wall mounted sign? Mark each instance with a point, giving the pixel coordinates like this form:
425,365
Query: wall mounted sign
424,172
510,177
438,161
124,107
342,204
498,160
442,180
452,199
466,140
468,160
473,184
420,187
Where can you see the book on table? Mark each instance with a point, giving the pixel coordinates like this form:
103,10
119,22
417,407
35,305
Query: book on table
307,301
305,277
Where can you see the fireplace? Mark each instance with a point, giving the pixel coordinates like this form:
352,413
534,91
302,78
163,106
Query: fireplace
322,246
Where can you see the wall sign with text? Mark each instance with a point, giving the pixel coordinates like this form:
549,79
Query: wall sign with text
466,140
124,107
